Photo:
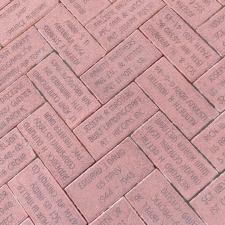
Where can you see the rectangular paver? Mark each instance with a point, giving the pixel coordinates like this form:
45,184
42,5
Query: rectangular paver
211,141
21,55
113,122
16,103
109,179
55,144
157,202
42,198
19,15
120,19
180,44
11,212
118,68
68,37
15,154
174,155
212,85
195,12
209,204
213,31
63,90
85,10
176,97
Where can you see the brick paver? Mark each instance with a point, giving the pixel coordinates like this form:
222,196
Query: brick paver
112,112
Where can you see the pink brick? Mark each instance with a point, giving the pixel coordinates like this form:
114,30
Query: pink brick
180,44
211,142
21,55
174,155
55,144
109,179
120,213
27,222
15,103
194,12
4,3
42,198
212,85
85,10
157,202
176,97
15,154
63,90
214,32
19,15
11,212
115,121
120,19
117,69
68,37
209,204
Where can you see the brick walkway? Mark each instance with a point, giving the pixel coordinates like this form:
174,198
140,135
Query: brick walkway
112,112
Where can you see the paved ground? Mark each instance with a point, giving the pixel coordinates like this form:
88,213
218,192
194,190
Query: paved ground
112,112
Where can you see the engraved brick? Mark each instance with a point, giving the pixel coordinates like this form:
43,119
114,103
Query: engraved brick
19,15
85,10
15,103
11,211
211,142
194,12
15,154
174,155
176,97
209,204
213,31
63,90
157,202
68,37
55,144
109,179
212,85
120,66
120,19
21,55
4,3
180,44
113,122
121,213
42,198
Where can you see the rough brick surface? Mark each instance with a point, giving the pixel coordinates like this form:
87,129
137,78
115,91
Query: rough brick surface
112,112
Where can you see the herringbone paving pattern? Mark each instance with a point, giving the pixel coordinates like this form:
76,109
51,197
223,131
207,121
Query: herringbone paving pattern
112,112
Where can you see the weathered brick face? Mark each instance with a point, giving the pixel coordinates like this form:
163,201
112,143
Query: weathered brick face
112,112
